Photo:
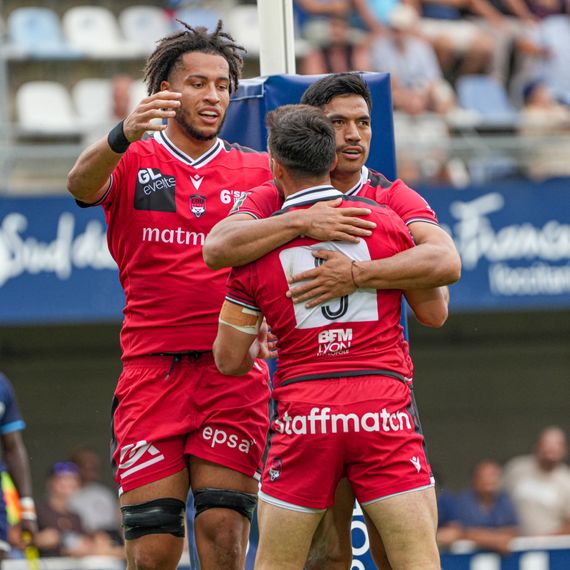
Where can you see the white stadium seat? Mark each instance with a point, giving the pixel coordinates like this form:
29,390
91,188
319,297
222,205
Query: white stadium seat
45,108
243,24
36,31
93,101
95,31
196,16
144,25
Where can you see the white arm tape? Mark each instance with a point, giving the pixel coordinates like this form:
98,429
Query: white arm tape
253,330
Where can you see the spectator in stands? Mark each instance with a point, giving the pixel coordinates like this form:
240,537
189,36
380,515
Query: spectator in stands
514,17
312,16
346,49
448,529
121,90
94,502
461,45
539,485
544,118
61,532
417,81
484,511
542,49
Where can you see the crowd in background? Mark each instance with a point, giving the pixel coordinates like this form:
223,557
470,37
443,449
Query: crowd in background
438,52
460,70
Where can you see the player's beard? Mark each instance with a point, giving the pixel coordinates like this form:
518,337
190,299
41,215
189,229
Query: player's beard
193,132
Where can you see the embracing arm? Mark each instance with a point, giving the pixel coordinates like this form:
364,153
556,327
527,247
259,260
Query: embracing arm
242,337
433,262
234,351
88,180
239,239
429,305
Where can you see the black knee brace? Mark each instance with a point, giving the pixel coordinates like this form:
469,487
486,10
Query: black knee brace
243,503
162,516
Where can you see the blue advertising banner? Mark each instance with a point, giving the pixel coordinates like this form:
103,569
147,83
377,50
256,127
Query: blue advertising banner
54,263
514,241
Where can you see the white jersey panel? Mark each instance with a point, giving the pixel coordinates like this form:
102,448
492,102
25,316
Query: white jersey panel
360,306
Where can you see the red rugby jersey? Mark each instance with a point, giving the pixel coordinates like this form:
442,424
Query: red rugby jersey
356,335
160,206
261,202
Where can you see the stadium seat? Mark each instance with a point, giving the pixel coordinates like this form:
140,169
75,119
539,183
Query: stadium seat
243,24
144,25
196,16
488,98
36,32
93,101
95,30
138,92
45,108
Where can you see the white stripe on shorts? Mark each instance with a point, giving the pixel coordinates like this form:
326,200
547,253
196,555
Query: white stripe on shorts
290,506
432,483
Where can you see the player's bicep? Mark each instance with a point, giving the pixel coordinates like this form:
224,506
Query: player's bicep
426,232
237,330
240,317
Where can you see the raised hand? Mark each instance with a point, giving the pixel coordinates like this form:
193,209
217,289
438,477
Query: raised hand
161,105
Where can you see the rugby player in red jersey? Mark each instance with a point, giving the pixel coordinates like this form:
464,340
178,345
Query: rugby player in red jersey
344,407
251,232
176,420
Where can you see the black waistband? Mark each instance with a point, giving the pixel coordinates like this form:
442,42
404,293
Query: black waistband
353,373
191,354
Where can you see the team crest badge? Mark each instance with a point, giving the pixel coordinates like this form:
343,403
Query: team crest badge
198,205
275,469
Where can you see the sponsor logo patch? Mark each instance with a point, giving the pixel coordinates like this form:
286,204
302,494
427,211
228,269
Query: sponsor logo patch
155,191
216,437
324,421
137,456
333,342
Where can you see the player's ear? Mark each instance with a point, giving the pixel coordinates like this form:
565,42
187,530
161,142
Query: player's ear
276,168
334,163
165,86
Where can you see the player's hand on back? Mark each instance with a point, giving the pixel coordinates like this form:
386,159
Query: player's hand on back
148,115
267,342
325,221
330,280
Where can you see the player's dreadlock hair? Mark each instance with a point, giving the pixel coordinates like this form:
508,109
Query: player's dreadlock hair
171,48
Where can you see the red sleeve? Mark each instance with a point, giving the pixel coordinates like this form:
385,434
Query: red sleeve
240,286
259,202
393,235
407,203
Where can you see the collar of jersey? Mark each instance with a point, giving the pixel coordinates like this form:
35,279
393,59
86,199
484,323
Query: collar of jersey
358,186
207,157
311,195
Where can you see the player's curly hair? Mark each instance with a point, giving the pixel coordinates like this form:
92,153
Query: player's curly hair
170,50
